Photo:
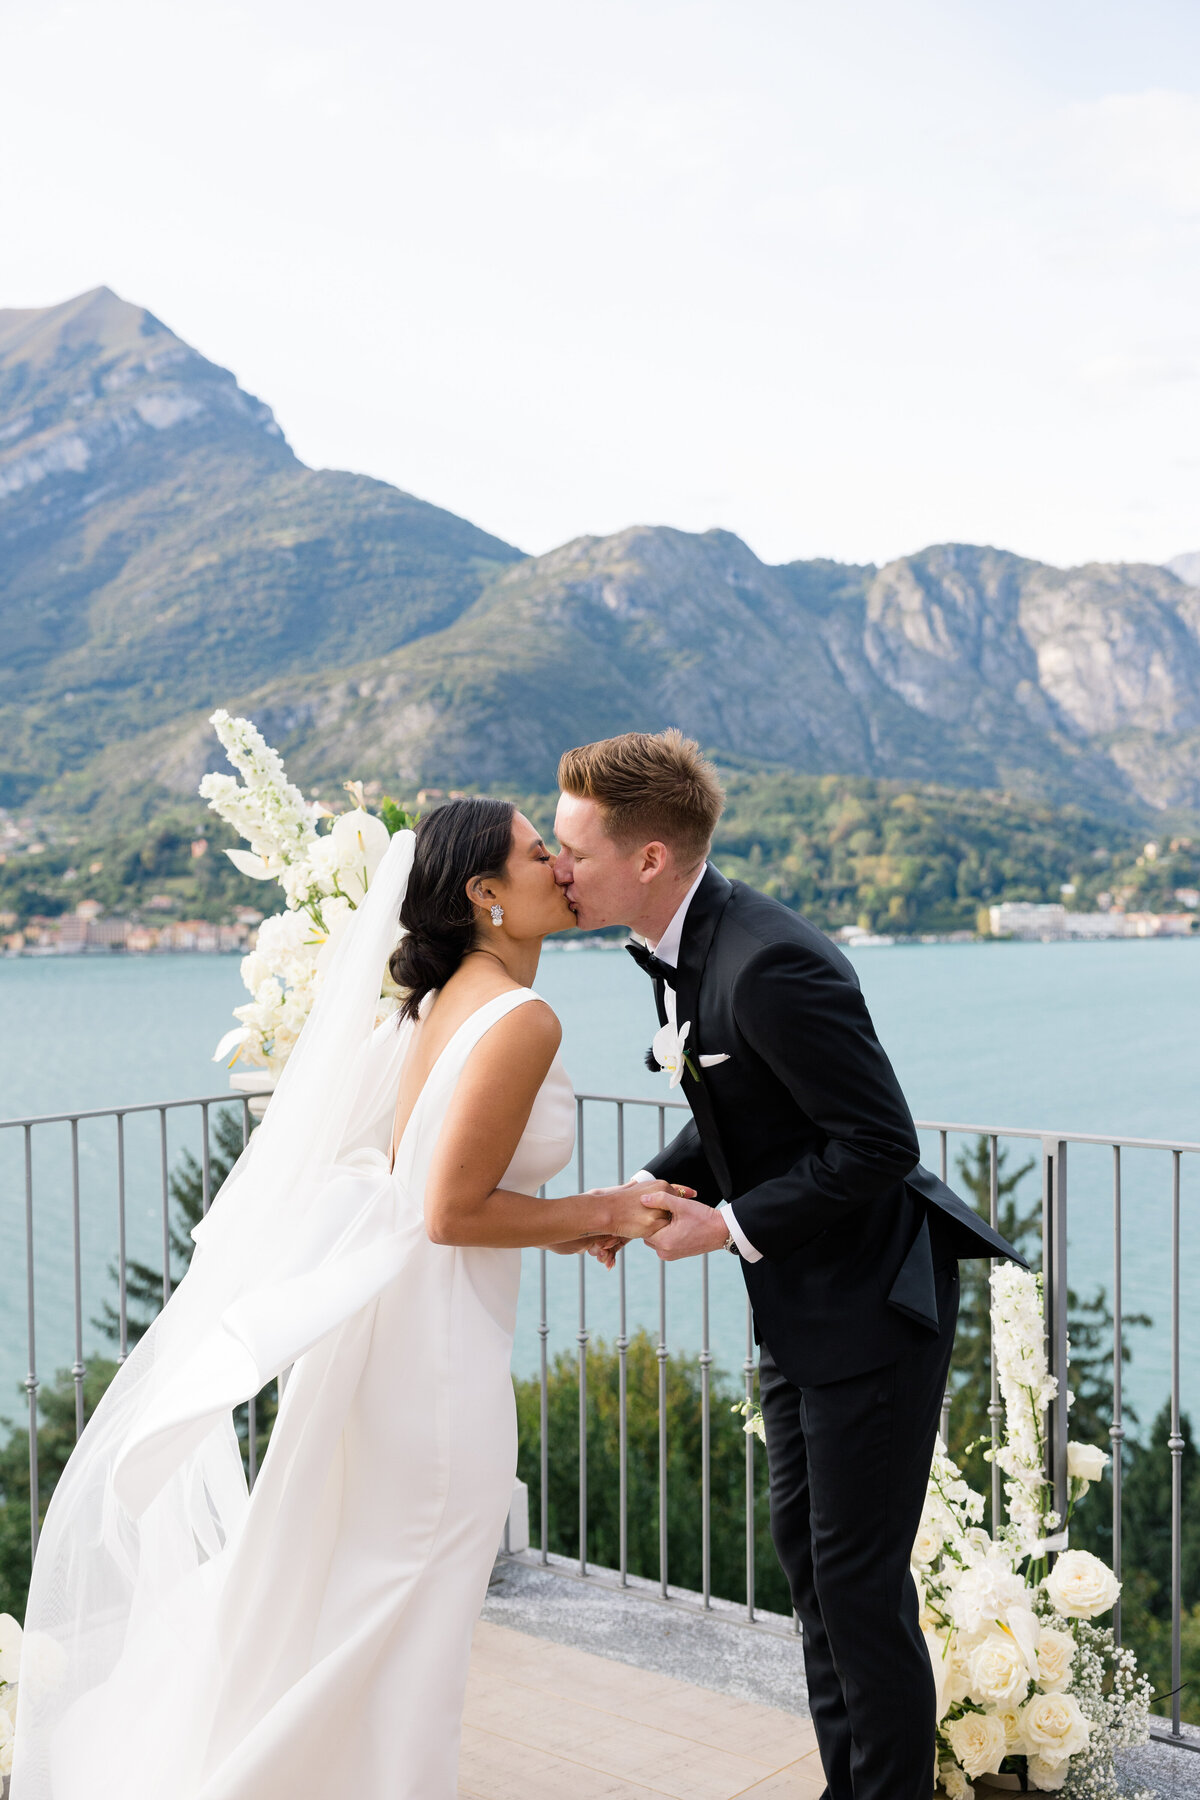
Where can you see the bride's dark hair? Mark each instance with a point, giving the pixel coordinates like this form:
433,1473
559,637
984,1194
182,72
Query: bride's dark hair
459,841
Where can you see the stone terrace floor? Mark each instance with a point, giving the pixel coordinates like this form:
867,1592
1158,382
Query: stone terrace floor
581,1690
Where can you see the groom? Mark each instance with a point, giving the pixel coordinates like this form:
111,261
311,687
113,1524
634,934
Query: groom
803,1156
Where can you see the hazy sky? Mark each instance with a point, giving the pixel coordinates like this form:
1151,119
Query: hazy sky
844,276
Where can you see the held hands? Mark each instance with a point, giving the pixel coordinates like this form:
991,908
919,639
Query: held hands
641,1209
692,1229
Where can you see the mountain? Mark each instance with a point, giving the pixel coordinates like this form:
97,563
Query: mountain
962,665
1187,567
164,551
161,547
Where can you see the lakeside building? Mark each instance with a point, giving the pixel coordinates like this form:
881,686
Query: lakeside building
1052,922
84,931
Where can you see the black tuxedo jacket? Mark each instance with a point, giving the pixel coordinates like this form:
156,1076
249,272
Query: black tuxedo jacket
805,1129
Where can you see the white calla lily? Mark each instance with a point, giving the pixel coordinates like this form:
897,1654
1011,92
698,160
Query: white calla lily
360,834
232,1040
257,867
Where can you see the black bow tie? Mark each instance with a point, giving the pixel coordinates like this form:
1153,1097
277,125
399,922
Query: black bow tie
656,969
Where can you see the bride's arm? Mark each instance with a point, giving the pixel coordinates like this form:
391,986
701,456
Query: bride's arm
479,1138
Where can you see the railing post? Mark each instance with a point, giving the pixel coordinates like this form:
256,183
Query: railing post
1117,1428
581,1338
705,1441
1054,1270
77,1367
1175,1444
662,1430
31,1379
622,1383
748,1372
995,1404
543,1412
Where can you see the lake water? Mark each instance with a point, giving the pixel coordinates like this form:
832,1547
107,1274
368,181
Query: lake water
1071,1037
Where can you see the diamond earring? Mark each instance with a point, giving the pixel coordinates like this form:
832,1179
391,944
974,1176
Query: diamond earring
497,914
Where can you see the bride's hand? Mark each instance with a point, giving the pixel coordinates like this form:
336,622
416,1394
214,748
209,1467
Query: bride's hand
606,1249
633,1213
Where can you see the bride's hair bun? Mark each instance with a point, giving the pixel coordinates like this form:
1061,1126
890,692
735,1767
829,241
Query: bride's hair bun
461,840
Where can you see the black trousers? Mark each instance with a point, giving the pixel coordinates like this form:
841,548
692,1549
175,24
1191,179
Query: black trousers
849,1464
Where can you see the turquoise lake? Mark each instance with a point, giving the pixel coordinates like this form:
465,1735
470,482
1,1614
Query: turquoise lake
1070,1037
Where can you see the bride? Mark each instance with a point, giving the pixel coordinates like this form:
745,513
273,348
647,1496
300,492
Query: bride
187,1640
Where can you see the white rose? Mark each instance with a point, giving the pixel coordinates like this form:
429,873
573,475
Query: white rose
927,1545
1080,1586
1054,1728
955,1783
978,1740
1055,1654
998,1671
1044,1775
10,1648
1010,1718
1085,1462
957,1681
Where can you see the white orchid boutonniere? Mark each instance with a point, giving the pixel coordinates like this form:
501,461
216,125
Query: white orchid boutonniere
669,1053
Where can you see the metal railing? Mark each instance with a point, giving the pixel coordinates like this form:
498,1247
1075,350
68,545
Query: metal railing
1053,1161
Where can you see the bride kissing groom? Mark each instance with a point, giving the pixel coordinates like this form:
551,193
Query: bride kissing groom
803,1162
310,1639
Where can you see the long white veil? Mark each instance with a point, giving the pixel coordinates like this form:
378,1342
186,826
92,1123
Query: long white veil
155,1491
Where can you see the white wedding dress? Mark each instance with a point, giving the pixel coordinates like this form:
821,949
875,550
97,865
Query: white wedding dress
310,1641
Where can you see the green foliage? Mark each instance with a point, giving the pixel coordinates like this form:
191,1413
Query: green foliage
683,1413
395,817
56,1440
154,859
913,858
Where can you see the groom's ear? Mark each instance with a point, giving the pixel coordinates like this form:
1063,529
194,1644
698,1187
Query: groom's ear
655,858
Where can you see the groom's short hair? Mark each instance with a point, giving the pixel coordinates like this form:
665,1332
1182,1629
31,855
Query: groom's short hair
650,787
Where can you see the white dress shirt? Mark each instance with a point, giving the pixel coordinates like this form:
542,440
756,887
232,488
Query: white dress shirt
667,951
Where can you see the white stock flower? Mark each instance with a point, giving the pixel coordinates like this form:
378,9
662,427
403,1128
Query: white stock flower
978,1741
1080,1586
1027,1388
1055,1655
1047,1777
998,1670
1085,1463
10,1648
1054,1727
7,1736
984,1593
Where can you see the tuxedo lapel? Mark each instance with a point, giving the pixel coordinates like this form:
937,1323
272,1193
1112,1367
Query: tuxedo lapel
699,928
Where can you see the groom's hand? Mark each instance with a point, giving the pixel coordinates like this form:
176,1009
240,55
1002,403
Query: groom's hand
692,1229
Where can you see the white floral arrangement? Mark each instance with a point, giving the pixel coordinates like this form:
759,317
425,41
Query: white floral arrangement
324,876
1031,1692
10,1671
1028,1684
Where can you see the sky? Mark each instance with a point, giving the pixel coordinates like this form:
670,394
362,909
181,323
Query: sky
846,279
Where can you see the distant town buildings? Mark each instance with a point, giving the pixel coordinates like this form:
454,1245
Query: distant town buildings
86,931
1054,923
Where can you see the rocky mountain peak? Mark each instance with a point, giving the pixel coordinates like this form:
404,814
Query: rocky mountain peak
83,382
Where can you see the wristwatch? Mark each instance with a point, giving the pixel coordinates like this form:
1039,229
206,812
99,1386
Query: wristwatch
731,1246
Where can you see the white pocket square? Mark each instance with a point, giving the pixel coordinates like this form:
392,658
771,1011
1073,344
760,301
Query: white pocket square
710,1062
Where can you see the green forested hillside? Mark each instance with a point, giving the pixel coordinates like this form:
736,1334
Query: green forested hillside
845,851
